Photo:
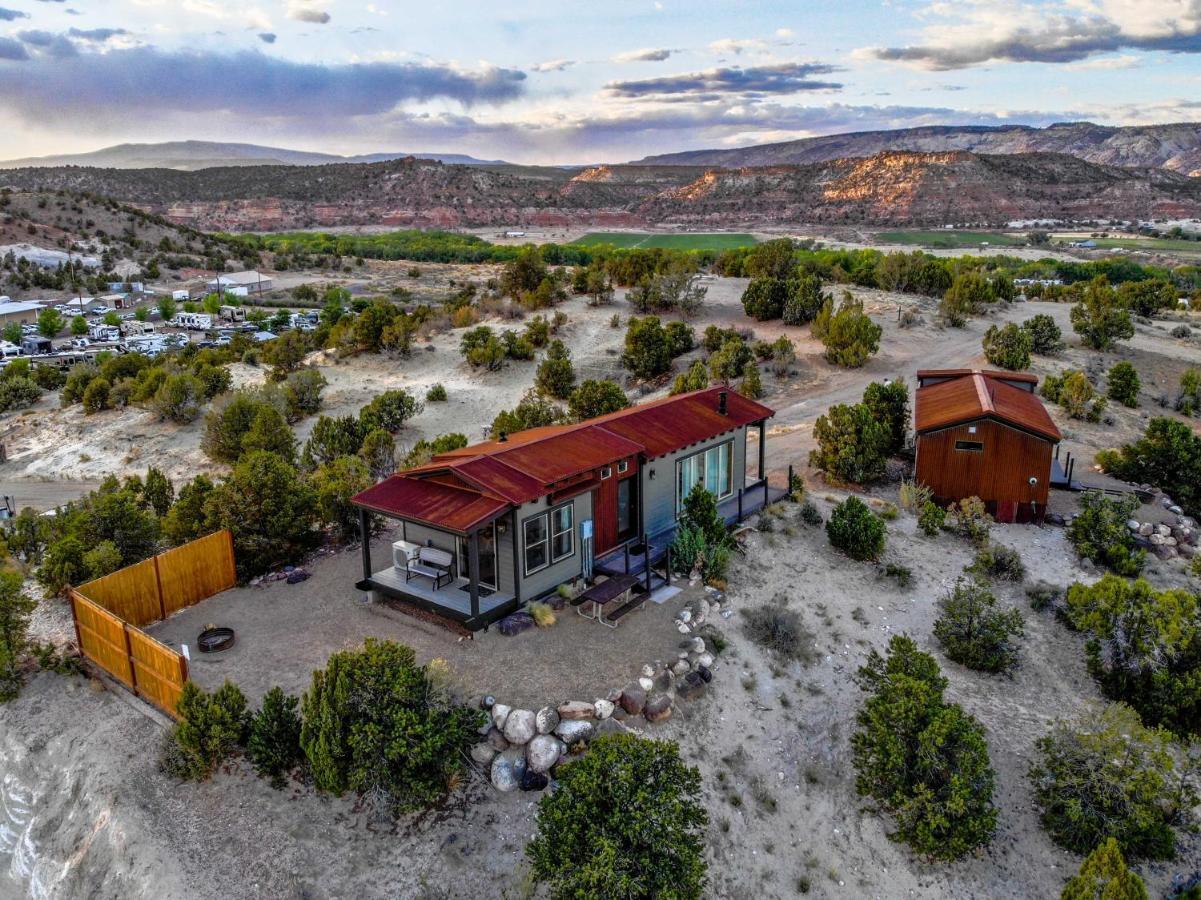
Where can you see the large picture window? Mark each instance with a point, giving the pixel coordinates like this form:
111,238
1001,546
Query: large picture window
548,537
712,468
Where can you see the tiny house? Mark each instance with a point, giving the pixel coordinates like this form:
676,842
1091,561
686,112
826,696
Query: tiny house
985,434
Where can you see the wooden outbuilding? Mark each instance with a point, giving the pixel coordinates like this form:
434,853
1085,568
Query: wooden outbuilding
985,434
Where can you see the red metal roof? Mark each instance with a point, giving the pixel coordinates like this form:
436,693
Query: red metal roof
528,464
969,395
431,503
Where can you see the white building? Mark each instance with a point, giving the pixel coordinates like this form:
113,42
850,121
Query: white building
251,281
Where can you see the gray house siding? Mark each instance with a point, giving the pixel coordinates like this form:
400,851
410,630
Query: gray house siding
545,580
659,493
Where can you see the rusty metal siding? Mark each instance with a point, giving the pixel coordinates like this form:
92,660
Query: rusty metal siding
998,473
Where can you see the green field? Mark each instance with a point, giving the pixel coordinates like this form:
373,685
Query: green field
952,239
1150,245
629,240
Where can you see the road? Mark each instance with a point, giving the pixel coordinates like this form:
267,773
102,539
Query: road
43,495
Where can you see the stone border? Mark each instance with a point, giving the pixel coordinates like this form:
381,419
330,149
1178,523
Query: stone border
521,748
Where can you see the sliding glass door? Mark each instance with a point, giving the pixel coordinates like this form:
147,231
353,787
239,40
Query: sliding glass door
487,557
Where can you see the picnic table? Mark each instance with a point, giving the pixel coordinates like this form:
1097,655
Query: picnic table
604,594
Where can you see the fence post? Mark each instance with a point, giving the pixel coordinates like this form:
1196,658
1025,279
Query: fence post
667,564
133,666
765,496
158,581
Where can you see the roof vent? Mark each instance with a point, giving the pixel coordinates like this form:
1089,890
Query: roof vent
504,436
722,397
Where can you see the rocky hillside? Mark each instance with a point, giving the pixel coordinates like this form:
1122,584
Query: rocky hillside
887,189
1176,147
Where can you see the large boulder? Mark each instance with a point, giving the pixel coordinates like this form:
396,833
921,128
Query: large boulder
546,719
543,752
633,698
507,770
576,709
572,731
516,623
499,713
520,726
658,708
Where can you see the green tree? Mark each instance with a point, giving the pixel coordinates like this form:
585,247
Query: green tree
110,318
373,723
302,393
185,520
647,349
533,411
389,411
269,509
334,484
804,299
210,728
1122,384
1099,533
50,322
594,398
626,820
524,273
97,396
166,308
1045,336
16,609
974,632
482,348
379,453
856,530
79,326
772,259
1008,346
851,444
179,398
273,742
1100,318
334,437
730,360
967,295
285,354
849,335
158,491
1107,776
1146,298
1168,455
888,403
63,565
269,431
556,375
764,298
752,383
1104,876
695,379
13,334
921,758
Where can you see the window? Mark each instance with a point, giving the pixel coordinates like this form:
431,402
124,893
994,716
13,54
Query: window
562,534
548,537
973,446
712,468
623,467
537,553
606,472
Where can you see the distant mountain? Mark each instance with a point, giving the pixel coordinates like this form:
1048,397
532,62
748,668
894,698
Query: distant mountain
195,155
888,189
1176,147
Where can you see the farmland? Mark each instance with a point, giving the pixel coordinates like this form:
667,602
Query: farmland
948,239
628,240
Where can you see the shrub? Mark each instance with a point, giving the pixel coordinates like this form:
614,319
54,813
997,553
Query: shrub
179,398
924,760
302,393
695,379
482,348
532,411
1075,393
855,531
333,485
804,298
1108,776
626,821
702,540
1045,336
96,396
210,728
973,632
730,360
888,402
680,338
970,519
752,384
1000,562
647,349
851,444
1099,533
1168,455
372,724
436,394
1104,876
16,608
1043,595
1122,384
932,518
556,375
1189,399
1144,647
273,744
596,398
848,334
810,514
780,631
764,298
389,411
968,293
1100,318
332,438
542,614
1008,346
19,392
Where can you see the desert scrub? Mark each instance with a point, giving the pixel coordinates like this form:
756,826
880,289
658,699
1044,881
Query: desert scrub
1043,595
931,519
625,821
902,575
998,562
542,614
1099,533
436,394
855,531
211,727
274,742
913,496
970,519
1106,775
780,631
1122,384
921,758
974,632
1104,874
810,514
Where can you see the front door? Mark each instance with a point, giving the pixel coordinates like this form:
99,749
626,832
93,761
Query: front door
487,557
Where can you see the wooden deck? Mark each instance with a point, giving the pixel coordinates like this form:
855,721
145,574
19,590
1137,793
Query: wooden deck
452,600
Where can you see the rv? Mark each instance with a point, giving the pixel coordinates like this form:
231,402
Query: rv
102,332
193,321
233,313
34,345
8,350
179,295
134,327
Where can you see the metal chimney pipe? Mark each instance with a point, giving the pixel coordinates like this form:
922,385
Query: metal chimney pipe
722,397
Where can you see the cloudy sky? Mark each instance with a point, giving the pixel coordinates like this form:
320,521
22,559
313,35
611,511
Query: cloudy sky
542,82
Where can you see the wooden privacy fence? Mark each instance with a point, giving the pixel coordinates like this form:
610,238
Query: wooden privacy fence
109,610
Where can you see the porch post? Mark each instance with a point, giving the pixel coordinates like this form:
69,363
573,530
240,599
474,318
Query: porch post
642,499
763,449
516,557
365,535
473,571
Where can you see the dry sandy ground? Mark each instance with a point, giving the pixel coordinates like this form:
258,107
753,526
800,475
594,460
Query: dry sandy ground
771,741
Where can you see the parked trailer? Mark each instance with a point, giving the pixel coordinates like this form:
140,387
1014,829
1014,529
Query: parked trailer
193,321
233,313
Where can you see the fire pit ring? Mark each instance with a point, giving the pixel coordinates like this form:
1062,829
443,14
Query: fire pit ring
213,640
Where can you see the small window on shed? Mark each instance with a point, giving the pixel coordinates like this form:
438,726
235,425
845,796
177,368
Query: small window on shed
606,472
623,467
971,446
